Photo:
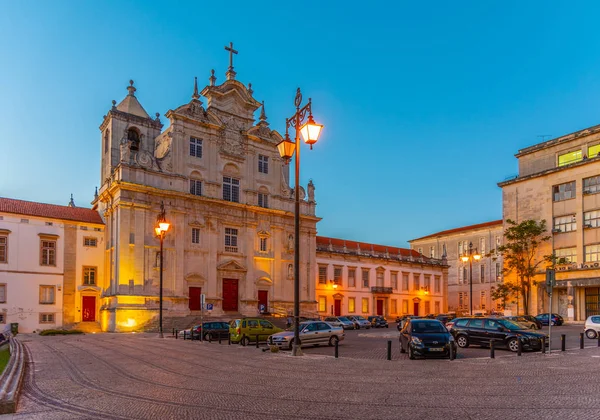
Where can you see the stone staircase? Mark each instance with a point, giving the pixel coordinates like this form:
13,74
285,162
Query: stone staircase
88,327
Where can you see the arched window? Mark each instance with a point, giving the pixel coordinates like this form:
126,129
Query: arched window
134,137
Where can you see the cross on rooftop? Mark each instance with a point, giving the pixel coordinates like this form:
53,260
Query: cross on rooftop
231,52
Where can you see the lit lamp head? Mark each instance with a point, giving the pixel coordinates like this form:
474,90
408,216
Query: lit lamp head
335,286
162,226
286,148
310,131
464,258
476,256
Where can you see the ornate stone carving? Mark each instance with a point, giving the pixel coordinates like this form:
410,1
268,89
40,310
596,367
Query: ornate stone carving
162,152
231,140
311,192
144,159
125,150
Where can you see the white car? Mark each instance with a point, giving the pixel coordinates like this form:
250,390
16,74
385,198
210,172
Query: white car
592,326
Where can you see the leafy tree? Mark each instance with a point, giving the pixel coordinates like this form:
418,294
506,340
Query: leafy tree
520,253
504,293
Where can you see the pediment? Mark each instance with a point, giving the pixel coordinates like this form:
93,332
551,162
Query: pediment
264,279
195,111
263,132
195,277
338,296
231,265
231,97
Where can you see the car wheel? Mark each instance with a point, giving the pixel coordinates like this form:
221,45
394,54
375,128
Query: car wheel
462,341
245,341
206,337
591,334
411,355
332,340
533,327
513,345
291,346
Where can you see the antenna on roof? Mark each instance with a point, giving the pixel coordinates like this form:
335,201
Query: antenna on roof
543,136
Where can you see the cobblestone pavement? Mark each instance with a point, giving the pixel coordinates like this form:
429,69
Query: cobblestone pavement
136,376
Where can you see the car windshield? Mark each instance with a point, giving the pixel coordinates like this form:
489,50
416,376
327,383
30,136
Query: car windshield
510,325
428,327
344,319
360,317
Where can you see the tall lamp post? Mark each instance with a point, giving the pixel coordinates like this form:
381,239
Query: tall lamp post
470,256
162,226
303,123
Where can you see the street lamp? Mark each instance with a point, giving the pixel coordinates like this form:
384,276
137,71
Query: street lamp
162,226
310,134
470,256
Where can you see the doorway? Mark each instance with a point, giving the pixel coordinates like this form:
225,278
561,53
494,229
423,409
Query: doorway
379,306
416,308
230,294
263,301
88,304
337,307
194,303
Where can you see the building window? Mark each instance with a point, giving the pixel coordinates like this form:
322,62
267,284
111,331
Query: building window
427,308
416,281
263,200
365,305
134,139
432,252
2,318
263,164
365,277
593,150
351,305
394,276
106,136
420,250
463,298
2,293
444,249
437,306
231,189
3,249
89,276
482,300
47,295
337,275
567,255
394,306
46,318
591,185
195,147
591,219
263,244
322,303
405,282
482,273
437,284
498,243
570,157
379,278
195,235
91,242
231,240
404,306
352,277
564,191
195,187
498,272
481,246
427,282
565,223
322,274
592,253
48,253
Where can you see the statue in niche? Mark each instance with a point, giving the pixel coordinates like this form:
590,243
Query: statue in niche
311,191
290,244
290,271
125,150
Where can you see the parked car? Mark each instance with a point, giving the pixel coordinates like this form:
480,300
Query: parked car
359,321
538,323
556,319
426,338
405,318
444,318
311,333
592,326
522,321
378,321
245,330
481,331
340,321
211,329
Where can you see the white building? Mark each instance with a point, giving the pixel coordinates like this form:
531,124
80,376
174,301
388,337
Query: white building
357,278
50,264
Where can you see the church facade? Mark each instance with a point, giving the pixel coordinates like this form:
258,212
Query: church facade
226,193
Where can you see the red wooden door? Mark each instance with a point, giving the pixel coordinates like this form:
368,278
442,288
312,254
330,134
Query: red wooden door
263,301
416,308
194,303
230,294
88,304
337,308
379,307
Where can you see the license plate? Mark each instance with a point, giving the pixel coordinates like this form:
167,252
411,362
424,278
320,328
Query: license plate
436,349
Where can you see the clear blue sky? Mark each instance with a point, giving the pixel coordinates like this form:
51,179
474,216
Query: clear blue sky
425,103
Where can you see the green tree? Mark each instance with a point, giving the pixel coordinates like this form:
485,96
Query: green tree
520,253
504,293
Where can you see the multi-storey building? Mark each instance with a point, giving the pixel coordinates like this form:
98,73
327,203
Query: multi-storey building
486,272
358,278
50,264
226,193
559,181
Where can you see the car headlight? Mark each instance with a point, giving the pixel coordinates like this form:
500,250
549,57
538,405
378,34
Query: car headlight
451,339
416,341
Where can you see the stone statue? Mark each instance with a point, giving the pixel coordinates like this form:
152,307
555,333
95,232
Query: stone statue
311,191
125,150
290,271
290,242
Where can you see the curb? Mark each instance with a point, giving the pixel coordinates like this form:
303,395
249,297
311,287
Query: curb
12,378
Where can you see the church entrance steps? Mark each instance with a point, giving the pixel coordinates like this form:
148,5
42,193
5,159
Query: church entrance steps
88,327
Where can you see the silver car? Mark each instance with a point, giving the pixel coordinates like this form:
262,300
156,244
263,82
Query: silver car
592,326
360,321
340,321
312,333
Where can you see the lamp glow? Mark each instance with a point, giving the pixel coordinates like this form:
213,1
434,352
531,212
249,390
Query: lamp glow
310,131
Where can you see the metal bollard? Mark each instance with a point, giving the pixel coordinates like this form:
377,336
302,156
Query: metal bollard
219,337
229,338
598,335
256,340
389,350
184,334
520,349
451,349
492,349
209,337
581,343
173,331
563,342
543,340
336,348
176,334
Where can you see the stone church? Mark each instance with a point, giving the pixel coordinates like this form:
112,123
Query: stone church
226,194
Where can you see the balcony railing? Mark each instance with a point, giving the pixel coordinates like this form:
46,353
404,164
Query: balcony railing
381,289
